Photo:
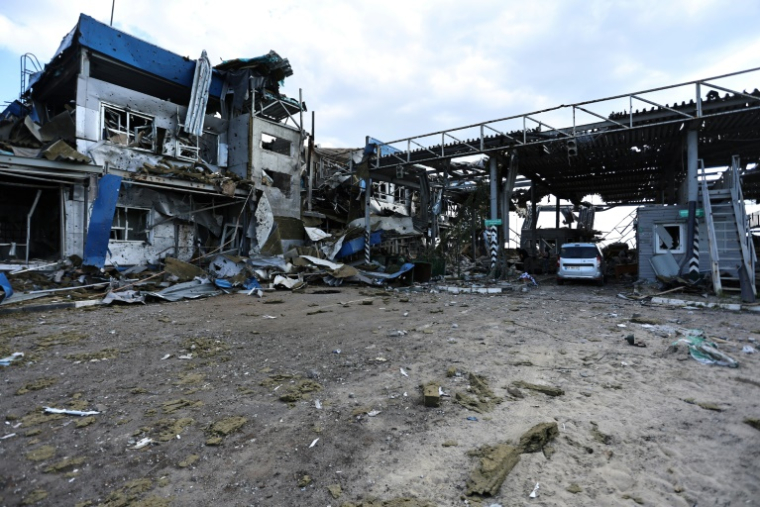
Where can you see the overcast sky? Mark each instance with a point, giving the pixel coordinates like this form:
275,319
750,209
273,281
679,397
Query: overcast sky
393,69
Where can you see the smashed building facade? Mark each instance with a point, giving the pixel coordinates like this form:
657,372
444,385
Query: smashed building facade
123,153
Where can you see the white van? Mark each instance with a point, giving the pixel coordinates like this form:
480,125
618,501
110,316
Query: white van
580,261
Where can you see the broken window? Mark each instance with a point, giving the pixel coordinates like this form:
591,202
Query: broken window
130,224
127,128
209,145
670,237
275,144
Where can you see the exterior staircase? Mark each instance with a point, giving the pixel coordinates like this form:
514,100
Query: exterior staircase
732,253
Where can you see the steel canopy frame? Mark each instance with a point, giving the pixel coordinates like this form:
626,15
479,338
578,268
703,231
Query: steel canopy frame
695,110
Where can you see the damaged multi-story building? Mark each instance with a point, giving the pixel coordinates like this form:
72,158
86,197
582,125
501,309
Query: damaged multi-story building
124,153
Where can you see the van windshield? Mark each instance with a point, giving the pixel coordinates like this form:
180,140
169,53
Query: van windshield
578,252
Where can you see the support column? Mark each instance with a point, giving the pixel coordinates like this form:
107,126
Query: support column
556,214
692,188
310,163
533,218
493,231
506,196
367,221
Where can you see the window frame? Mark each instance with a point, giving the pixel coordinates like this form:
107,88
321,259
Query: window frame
126,228
131,136
681,245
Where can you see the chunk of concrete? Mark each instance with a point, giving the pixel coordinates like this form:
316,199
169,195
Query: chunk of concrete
495,464
538,436
432,396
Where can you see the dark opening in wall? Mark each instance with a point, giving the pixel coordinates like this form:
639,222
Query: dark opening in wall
275,144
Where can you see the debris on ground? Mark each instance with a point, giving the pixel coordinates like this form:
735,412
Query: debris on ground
222,428
396,502
536,438
335,490
495,463
79,413
703,351
483,398
705,405
431,393
6,361
547,390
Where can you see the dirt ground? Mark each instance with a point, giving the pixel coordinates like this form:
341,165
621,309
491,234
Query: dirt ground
314,399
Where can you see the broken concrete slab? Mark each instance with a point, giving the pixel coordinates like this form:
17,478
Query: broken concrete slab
484,398
547,390
495,464
538,436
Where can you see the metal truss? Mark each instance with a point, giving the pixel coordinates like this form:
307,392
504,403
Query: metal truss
532,129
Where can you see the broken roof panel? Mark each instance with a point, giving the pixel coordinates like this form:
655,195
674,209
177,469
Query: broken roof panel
270,64
132,51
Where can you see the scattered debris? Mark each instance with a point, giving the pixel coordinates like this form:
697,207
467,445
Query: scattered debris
493,467
172,406
704,405
300,390
313,442
632,341
143,442
37,385
189,461
403,372
6,361
41,453
536,438
335,490
396,502
753,421
547,390
704,351
222,428
534,493
483,399
65,465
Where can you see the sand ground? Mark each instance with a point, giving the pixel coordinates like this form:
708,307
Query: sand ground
232,412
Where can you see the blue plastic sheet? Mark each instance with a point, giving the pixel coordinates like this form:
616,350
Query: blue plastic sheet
222,284
6,285
251,283
99,231
357,244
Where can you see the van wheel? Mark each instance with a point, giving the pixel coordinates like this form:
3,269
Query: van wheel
600,282
560,281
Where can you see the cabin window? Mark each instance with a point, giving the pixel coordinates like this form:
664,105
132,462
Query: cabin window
670,237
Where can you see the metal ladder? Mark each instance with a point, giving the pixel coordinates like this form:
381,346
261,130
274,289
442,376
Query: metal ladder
732,254
29,65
